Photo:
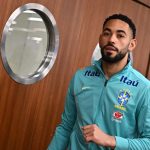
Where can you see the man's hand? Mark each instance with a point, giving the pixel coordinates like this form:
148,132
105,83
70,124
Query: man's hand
96,135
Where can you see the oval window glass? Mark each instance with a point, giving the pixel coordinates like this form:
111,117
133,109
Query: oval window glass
29,43
96,54
26,43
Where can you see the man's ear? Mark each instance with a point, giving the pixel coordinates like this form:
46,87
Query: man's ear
132,44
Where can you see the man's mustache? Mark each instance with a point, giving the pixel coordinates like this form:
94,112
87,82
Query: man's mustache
111,45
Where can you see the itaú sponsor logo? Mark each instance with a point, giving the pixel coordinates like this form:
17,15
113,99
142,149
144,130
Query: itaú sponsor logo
127,81
92,73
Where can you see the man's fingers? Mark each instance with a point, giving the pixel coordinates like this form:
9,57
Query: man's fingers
88,138
90,134
88,126
86,131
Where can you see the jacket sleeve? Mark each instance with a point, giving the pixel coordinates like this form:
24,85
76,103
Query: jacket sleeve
143,122
62,134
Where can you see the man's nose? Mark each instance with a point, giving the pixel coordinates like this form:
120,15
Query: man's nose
112,38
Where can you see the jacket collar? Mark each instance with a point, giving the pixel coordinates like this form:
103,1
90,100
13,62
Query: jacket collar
98,65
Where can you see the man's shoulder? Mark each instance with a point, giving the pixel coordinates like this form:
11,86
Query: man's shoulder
139,77
91,70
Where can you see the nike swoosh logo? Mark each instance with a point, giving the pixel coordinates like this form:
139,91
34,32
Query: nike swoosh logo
86,87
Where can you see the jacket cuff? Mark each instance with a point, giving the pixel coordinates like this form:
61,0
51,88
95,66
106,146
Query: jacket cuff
121,143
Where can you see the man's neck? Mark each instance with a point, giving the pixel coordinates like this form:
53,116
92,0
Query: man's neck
112,68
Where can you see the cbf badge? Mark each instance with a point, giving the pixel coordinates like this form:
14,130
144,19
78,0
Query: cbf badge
123,98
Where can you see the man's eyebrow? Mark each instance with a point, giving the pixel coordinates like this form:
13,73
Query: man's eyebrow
119,31
107,29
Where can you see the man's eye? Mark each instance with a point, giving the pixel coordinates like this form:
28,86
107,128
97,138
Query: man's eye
120,36
106,33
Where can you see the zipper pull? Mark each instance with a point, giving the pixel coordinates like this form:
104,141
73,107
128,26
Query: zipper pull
105,83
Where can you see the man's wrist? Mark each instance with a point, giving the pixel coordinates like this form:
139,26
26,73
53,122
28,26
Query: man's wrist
111,142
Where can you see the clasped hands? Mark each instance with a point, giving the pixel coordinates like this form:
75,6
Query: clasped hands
92,133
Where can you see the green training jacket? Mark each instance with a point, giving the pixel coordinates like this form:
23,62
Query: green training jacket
119,106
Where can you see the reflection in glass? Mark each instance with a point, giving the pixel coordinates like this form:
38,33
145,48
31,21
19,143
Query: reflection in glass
96,54
26,43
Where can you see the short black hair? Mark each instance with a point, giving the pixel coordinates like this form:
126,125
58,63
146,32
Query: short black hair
122,18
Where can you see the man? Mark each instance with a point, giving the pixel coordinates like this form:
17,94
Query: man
108,104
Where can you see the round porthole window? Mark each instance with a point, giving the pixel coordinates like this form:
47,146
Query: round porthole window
30,43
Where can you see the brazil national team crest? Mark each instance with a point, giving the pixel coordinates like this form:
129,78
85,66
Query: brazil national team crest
123,99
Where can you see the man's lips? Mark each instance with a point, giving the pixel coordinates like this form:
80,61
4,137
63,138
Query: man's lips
110,48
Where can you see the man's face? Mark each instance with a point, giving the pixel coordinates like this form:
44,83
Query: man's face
115,41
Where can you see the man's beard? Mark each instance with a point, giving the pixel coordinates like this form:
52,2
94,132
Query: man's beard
119,56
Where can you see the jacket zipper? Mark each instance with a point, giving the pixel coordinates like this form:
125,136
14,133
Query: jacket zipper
105,84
